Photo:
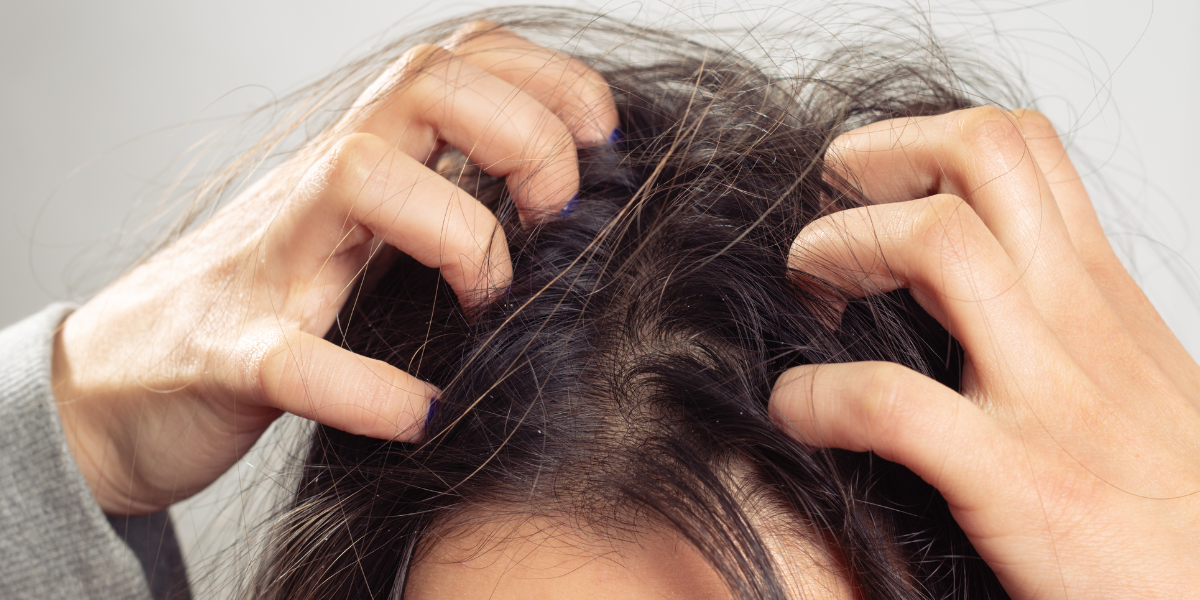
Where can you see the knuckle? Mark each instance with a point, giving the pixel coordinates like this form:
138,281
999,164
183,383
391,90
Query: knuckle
471,31
947,227
421,58
931,216
986,121
402,74
988,131
422,52
350,161
577,78
1034,122
1038,127
261,365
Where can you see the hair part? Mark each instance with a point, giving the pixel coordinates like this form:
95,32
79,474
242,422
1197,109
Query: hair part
622,382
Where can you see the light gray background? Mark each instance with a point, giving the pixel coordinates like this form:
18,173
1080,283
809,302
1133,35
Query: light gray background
94,97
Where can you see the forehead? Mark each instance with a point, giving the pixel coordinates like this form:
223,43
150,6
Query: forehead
536,559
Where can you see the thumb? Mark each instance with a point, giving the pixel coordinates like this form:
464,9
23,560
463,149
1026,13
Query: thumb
903,417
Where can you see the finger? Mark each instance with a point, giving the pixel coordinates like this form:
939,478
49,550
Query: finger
575,92
942,252
1080,219
365,188
903,417
315,379
1079,216
1129,303
981,156
432,95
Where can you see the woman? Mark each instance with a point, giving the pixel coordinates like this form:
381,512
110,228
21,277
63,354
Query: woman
977,212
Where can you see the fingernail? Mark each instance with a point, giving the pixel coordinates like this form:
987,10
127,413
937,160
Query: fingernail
570,207
433,406
615,136
498,295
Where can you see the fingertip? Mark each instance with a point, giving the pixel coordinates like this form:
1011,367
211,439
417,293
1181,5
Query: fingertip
431,413
416,427
588,132
542,191
481,275
594,118
570,206
790,385
598,132
318,380
499,282
532,216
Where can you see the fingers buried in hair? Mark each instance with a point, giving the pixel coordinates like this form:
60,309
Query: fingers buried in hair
365,188
998,162
981,155
310,377
572,90
953,265
900,415
431,95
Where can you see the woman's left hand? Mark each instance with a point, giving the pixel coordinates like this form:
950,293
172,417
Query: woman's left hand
1071,458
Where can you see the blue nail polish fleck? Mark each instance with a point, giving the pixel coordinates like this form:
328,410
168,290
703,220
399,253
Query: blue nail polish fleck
615,136
571,204
433,406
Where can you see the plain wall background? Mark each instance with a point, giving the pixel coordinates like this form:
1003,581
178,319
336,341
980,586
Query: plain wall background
93,96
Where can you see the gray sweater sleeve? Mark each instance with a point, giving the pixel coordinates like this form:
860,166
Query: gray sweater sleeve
55,542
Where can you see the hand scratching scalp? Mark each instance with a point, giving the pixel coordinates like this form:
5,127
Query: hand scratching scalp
622,382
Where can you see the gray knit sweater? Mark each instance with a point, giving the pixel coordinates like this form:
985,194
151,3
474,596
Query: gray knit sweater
54,540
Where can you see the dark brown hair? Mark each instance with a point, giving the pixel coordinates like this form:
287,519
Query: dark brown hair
623,380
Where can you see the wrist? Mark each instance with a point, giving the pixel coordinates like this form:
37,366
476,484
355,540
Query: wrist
88,432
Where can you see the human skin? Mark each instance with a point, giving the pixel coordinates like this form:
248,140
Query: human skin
174,370
537,558
1070,458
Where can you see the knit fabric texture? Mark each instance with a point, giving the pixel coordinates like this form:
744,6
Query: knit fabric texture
55,542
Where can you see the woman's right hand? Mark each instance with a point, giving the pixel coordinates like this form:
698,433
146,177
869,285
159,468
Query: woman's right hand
1071,457
173,371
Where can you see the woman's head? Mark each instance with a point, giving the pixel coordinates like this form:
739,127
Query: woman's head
607,416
